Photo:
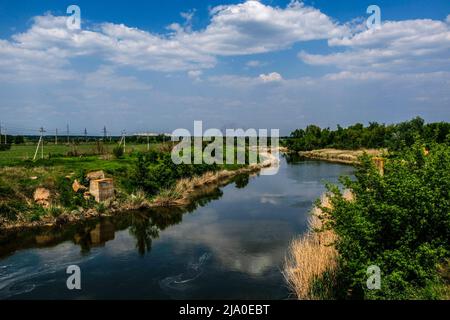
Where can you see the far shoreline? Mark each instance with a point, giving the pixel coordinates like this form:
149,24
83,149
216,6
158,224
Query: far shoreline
349,157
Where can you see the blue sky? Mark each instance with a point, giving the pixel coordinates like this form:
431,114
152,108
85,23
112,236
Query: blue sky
160,65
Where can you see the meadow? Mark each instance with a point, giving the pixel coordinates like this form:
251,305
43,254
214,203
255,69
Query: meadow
87,153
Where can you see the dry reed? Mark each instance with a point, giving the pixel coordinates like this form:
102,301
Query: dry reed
311,256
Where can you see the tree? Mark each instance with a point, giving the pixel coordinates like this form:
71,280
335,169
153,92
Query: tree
399,222
19,140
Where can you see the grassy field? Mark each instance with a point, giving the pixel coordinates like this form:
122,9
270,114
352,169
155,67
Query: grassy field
133,174
18,154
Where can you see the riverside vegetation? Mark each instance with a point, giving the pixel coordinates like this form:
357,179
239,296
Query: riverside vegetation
141,178
398,221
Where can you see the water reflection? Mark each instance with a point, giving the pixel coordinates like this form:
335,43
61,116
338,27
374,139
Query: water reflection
143,225
231,248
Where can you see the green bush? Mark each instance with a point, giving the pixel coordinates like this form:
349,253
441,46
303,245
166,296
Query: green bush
5,147
68,198
153,177
118,152
399,222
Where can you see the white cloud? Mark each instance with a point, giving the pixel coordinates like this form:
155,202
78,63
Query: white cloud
254,63
347,75
252,27
271,77
409,46
105,77
195,74
241,29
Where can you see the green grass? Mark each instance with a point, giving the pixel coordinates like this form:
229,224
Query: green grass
62,164
21,153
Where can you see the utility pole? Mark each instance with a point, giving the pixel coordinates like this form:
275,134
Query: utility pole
41,141
148,142
0,133
124,140
56,136
68,140
85,135
6,142
104,133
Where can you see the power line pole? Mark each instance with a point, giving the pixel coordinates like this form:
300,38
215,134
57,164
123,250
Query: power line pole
0,133
148,142
122,140
56,136
104,133
85,135
68,140
41,141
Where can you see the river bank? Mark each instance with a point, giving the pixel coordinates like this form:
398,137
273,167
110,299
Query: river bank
340,156
227,243
177,196
313,255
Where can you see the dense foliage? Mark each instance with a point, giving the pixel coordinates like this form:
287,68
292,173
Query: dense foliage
155,171
5,147
118,152
399,221
395,137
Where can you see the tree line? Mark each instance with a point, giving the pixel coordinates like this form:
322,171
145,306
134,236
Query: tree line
395,137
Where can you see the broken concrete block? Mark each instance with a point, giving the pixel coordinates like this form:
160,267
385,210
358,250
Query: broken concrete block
42,197
76,186
96,175
102,189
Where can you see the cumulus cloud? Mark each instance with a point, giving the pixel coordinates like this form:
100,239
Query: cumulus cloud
252,27
409,46
396,67
271,77
195,74
241,29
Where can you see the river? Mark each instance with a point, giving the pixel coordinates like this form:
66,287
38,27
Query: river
229,244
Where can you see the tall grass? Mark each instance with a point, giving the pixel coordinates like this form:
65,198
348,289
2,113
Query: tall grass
312,258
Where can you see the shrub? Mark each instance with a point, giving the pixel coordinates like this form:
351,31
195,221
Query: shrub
118,152
399,222
68,198
5,147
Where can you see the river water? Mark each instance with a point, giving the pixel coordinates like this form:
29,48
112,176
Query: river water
229,244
